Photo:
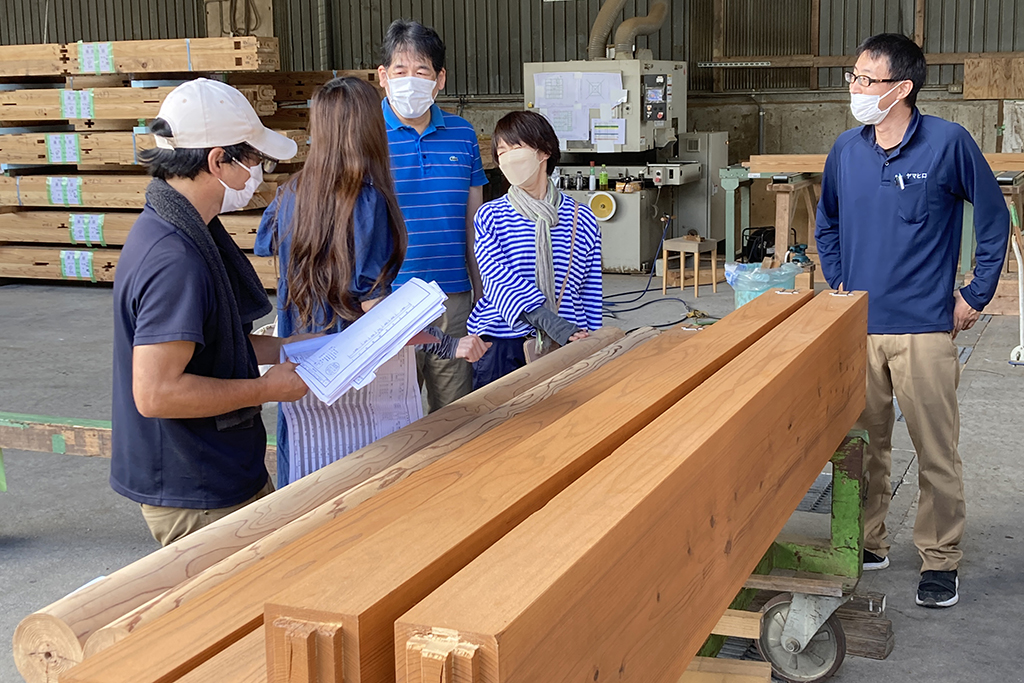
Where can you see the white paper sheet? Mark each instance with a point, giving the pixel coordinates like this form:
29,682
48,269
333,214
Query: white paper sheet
319,434
570,123
555,89
599,88
333,364
611,131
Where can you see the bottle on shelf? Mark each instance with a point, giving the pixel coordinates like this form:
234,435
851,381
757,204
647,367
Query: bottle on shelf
603,177
580,183
592,180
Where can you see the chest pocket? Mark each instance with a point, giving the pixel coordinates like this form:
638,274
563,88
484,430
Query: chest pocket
912,202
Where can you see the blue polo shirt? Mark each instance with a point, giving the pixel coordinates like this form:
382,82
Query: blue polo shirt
433,173
890,223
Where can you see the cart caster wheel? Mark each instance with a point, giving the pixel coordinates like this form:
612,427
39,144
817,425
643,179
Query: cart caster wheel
819,660
1017,355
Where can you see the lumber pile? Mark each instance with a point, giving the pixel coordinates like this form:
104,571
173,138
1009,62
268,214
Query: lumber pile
120,103
815,163
47,643
181,55
624,443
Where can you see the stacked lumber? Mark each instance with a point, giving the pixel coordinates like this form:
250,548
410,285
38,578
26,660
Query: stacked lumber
120,103
181,55
340,580
119,148
815,163
47,643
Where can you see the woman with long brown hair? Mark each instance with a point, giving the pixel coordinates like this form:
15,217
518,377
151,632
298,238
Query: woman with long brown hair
337,230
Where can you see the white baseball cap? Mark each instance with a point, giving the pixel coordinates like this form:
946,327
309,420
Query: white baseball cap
204,114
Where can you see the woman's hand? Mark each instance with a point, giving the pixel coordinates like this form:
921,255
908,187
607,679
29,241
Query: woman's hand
471,348
582,334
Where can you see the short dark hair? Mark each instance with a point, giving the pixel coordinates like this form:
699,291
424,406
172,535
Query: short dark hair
529,129
411,36
906,59
185,162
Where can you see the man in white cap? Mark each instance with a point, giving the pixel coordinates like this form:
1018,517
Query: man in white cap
188,440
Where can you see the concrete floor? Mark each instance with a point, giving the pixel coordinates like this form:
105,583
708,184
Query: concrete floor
61,525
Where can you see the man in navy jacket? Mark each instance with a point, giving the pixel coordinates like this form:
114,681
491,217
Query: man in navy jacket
889,222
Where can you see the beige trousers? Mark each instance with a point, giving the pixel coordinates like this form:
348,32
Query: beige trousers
923,370
442,380
169,524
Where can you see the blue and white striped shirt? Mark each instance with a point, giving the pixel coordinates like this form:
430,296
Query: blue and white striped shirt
433,173
505,248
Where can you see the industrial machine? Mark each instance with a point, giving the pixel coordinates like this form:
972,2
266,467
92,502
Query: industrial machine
624,113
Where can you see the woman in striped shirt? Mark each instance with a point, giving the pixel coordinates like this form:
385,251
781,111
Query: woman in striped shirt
539,253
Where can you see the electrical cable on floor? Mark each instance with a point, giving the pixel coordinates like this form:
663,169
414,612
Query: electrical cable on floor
612,309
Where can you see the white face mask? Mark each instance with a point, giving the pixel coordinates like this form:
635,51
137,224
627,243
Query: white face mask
239,199
520,165
865,107
410,96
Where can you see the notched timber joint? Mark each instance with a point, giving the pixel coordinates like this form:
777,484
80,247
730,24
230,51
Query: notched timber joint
305,651
441,657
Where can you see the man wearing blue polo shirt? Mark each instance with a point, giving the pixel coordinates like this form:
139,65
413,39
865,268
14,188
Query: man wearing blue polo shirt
439,179
889,223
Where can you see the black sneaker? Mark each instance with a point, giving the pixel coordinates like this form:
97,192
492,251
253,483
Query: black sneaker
938,589
872,561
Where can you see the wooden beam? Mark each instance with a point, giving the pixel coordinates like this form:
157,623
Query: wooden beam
919,10
815,39
628,569
96,191
180,55
518,458
118,148
195,587
739,624
815,163
300,86
44,263
713,670
52,435
718,41
54,227
52,639
125,103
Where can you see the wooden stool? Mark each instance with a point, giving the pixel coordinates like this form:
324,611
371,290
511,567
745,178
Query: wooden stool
684,247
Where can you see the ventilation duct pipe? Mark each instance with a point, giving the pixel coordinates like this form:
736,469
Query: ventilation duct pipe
625,35
598,46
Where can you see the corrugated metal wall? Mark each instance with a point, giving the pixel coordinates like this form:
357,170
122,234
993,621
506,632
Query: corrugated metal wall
66,21
950,26
780,27
487,41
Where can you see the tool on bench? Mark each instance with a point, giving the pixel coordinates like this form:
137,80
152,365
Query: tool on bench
1009,178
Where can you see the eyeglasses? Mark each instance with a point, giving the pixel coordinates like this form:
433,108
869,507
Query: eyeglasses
866,81
266,162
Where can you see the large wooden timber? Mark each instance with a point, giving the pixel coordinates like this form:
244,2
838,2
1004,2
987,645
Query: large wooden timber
141,56
119,148
523,462
815,163
114,191
217,574
54,227
44,263
628,570
300,86
49,642
127,103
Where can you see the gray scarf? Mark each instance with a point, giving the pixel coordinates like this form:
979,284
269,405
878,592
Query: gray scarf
544,214
240,296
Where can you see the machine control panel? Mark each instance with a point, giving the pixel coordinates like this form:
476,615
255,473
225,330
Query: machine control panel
657,95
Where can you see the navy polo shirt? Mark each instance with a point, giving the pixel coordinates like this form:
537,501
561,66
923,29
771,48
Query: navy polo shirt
164,292
890,223
433,172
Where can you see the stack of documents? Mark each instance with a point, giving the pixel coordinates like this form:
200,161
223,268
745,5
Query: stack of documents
333,364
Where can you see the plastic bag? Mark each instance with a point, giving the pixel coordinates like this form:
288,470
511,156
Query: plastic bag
750,280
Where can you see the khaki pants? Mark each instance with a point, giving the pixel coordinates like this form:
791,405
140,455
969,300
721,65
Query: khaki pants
169,524
923,370
443,380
